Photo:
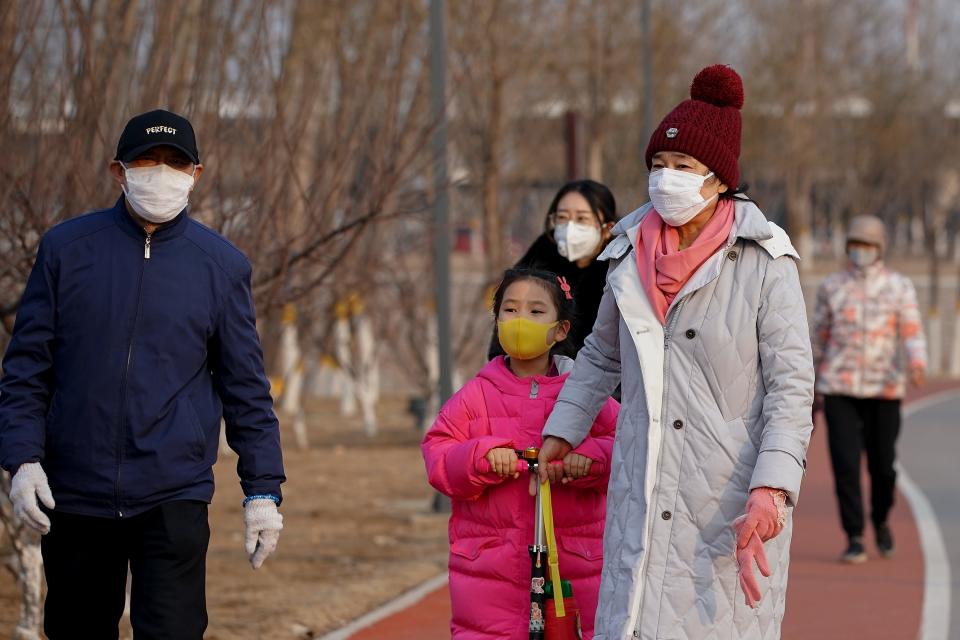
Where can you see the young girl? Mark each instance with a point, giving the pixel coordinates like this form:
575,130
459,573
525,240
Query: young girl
469,453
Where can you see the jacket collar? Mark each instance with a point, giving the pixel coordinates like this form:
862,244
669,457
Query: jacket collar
132,228
870,271
750,224
499,374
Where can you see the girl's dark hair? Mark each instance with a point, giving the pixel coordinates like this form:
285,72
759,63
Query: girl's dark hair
597,195
566,308
740,193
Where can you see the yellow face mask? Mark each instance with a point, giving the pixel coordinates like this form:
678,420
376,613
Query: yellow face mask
524,339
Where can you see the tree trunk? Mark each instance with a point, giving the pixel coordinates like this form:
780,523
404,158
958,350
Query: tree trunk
799,214
492,232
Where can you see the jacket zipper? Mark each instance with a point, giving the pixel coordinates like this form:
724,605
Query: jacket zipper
534,389
121,432
863,333
673,314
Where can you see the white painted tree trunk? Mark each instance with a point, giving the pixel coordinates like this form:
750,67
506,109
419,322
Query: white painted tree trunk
897,241
838,240
341,337
291,363
368,374
327,380
433,368
291,366
26,564
941,244
29,570
917,247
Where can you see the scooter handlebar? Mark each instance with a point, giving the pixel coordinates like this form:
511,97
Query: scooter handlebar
596,468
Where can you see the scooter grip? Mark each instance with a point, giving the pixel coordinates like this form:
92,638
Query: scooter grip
596,468
523,466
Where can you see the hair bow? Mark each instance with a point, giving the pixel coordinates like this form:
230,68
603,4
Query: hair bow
565,287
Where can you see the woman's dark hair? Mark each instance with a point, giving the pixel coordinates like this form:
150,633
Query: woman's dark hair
740,193
566,308
597,195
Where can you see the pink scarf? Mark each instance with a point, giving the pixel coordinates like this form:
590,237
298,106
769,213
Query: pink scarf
664,269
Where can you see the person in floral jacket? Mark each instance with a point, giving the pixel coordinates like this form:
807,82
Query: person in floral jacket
868,342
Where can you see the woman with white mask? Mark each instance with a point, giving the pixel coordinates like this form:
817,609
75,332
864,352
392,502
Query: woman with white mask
703,321
576,229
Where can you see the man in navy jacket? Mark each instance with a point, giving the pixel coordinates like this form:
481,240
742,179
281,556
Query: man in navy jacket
135,335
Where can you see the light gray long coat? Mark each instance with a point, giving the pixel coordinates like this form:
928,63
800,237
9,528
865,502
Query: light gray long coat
714,404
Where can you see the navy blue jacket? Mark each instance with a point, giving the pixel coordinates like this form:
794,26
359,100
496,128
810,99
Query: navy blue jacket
125,354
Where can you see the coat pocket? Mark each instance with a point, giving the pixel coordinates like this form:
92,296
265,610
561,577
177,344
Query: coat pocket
199,437
487,558
470,548
590,549
52,427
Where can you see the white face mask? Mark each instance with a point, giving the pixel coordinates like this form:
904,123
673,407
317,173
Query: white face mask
157,193
863,256
676,195
576,241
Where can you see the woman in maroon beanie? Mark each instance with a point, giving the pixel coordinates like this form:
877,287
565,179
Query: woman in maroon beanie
703,320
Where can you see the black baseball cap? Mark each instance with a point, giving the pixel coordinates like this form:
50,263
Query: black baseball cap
154,129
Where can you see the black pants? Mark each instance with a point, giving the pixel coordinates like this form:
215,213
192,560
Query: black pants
855,425
85,561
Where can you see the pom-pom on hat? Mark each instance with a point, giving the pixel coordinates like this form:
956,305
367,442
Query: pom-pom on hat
707,126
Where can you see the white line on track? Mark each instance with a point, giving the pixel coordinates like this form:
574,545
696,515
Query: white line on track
935,618
404,601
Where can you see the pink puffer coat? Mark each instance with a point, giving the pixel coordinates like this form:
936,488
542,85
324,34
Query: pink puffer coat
492,521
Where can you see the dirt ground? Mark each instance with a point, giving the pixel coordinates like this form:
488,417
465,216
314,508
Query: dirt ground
358,531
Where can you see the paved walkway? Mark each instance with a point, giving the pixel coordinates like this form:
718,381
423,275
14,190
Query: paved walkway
880,599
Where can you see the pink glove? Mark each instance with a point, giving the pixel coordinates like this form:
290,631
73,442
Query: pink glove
765,515
746,555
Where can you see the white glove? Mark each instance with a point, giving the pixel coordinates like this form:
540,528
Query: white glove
262,524
28,483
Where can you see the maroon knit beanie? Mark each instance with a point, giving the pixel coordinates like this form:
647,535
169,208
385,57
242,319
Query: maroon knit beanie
707,126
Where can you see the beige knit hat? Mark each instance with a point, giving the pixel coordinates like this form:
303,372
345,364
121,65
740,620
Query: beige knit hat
867,229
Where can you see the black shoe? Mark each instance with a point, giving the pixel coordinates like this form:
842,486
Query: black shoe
855,553
885,541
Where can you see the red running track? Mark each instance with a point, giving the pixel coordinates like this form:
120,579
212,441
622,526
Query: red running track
880,599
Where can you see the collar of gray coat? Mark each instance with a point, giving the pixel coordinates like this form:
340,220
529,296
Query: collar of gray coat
750,224
563,364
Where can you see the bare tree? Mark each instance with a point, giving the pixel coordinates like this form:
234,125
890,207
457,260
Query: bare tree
310,118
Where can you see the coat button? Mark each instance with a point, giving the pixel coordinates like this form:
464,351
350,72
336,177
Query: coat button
732,255
678,424
691,333
666,515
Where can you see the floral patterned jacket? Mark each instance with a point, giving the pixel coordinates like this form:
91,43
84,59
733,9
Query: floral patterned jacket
867,333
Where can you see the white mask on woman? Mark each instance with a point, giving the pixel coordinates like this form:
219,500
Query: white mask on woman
676,195
157,193
576,241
